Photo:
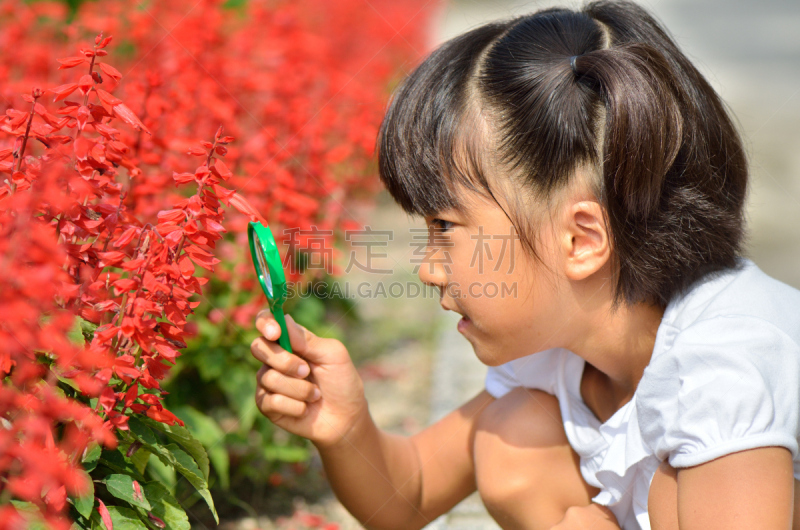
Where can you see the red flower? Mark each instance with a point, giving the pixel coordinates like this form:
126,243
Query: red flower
104,220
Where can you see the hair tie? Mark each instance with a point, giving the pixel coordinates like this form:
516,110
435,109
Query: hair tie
572,64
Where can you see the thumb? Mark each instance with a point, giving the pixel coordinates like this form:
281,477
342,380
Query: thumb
318,350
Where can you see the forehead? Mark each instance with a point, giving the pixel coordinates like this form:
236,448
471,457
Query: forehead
474,209
429,143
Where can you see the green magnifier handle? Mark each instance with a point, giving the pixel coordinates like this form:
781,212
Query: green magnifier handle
269,269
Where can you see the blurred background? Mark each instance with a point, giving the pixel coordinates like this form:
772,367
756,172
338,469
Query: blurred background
302,85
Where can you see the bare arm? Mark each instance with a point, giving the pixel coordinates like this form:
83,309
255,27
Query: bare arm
746,490
749,489
389,481
385,481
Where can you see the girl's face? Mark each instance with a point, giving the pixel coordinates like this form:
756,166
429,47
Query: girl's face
507,299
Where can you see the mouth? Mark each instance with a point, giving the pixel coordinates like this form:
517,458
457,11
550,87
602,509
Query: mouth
464,318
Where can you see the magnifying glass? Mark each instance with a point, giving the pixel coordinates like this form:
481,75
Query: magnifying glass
269,269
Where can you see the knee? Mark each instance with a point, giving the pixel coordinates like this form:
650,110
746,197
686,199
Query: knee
521,417
514,436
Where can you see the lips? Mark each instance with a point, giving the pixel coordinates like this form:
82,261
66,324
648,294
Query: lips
456,310
464,324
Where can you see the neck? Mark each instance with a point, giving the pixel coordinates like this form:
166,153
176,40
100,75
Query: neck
619,344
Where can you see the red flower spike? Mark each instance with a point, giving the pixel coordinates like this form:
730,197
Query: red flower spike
221,170
110,71
126,237
131,395
241,204
79,209
56,498
137,492
104,515
63,91
85,83
171,216
71,62
156,521
183,178
161,414
125,114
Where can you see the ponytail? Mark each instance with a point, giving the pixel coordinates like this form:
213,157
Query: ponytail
604,87
643,124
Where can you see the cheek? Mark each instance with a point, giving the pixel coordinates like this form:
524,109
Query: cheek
515,307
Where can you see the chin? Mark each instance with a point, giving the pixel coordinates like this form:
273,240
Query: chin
487,357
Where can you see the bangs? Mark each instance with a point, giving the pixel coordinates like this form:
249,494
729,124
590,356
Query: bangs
429,141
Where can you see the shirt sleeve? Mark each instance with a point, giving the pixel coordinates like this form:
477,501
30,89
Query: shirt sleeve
538,370
728,384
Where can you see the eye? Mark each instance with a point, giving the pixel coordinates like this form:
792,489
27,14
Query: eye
441,224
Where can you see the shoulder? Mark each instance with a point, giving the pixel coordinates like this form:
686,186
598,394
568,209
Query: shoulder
725,370
726,383
540,370
744,291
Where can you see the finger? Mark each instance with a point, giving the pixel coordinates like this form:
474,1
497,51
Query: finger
276,357
267,325
298,335
317,350
278,383
274,406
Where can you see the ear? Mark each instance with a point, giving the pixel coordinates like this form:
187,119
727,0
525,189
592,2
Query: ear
586,242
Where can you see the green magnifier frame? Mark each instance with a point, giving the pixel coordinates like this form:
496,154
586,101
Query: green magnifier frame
269,269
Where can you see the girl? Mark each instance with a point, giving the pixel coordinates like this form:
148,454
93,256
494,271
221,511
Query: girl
641,373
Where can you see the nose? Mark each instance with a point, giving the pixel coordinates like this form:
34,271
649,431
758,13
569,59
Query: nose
432,272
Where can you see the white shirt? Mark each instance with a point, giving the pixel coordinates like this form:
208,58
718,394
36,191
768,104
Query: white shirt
724,376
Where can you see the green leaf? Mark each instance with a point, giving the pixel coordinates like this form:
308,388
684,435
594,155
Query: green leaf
121,487
24,506
82,331
286,453
89,461
69,383
85,503
187,467
141,432
80,522
140,456
125,519
213,364
164,473
239,385
172,455
116,461
75,333
221,461
203,427
184,437
166,507
211,435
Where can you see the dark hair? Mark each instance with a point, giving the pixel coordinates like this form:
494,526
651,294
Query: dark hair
670,169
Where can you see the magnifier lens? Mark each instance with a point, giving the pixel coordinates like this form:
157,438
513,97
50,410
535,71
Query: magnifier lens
262,266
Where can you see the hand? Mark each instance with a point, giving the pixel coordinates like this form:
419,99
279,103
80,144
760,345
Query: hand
314,392
594,516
